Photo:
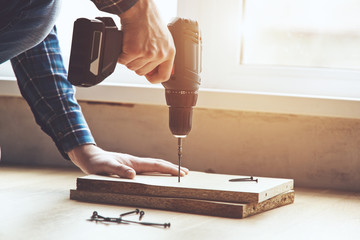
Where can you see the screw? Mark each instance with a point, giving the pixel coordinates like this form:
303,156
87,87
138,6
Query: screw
244,179
165,225
95,215
136,211
142,213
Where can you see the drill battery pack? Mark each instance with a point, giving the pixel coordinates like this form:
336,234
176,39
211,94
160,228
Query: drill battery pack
96,45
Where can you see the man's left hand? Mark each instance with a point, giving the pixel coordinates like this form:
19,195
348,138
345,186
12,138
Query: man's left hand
94,160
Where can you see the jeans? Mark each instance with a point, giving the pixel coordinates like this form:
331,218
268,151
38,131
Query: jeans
24,24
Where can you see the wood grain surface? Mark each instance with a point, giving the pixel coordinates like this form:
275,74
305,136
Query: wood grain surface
195,206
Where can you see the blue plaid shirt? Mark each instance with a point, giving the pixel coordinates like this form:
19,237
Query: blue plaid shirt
42,79
114,6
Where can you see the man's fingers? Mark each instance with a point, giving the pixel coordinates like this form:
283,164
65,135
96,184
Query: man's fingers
142,165
185,170
137,64
148,68
120,169
162,74
126,58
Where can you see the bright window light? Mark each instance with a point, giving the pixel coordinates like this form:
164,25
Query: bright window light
308,33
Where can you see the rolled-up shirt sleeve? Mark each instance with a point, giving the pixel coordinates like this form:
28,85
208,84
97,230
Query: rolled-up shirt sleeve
114,6
42,79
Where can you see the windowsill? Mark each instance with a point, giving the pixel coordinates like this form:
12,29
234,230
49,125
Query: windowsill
213,99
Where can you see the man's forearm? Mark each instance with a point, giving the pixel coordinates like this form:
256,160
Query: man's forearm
42,80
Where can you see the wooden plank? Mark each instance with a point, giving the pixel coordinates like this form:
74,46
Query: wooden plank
196,185
194,206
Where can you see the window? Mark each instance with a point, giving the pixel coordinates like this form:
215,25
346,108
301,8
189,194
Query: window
298,47
307,33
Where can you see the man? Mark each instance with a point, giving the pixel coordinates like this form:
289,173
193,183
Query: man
28,37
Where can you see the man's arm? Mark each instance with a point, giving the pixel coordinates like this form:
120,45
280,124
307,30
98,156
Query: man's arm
147,42
43,82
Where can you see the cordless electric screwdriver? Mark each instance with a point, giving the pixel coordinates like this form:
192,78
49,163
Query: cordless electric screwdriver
97,44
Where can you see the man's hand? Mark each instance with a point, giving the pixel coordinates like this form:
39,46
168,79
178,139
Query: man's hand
147,42
93,160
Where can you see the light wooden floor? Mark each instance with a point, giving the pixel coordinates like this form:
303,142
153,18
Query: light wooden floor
35,204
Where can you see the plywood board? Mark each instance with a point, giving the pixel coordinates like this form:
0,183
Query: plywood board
196,185
211,208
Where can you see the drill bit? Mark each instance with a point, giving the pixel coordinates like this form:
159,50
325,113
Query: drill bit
179,155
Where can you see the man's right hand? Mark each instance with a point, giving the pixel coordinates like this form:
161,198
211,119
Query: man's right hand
148,47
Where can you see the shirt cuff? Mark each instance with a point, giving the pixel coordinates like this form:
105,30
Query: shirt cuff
114,6
70,130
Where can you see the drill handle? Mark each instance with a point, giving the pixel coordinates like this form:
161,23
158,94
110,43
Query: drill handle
188,44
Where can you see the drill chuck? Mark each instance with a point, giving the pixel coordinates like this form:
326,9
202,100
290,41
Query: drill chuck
180,110
180,119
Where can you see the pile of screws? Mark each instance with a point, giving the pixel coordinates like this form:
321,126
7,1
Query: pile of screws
98,218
